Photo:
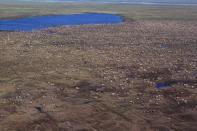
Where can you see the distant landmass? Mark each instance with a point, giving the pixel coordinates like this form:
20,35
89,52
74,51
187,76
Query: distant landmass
115,1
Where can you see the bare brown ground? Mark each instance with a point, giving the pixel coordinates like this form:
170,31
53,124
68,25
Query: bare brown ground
100,78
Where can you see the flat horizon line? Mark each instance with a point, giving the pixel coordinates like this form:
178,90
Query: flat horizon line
115,2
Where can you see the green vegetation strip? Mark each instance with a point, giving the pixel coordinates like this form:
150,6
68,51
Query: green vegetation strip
136,12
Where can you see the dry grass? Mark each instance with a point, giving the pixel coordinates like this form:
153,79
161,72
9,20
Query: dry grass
100,77
137,12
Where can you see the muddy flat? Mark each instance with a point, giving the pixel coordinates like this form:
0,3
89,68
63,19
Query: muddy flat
136,76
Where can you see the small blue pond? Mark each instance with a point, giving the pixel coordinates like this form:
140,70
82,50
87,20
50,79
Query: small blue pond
162,85
43,22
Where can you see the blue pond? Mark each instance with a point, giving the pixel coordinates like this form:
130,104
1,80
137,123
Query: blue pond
43,22
162,85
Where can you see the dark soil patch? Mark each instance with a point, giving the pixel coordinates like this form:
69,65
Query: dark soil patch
88,87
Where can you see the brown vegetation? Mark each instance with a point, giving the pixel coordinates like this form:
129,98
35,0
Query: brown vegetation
89,78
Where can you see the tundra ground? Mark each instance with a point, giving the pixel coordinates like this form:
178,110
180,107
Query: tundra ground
100,78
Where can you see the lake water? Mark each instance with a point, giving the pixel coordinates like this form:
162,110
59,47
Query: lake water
43,22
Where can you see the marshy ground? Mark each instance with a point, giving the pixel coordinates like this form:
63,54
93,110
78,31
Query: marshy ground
100,78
